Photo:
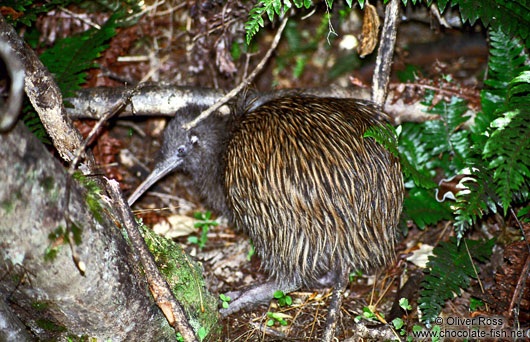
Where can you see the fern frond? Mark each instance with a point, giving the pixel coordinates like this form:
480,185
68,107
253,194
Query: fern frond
510,15
29,10
508,148
422,207
32,122
414,156
386,135
446,136
270,7
450,269
507,58
477,200
71,56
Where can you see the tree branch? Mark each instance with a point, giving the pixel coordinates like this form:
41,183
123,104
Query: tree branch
45,97
385,52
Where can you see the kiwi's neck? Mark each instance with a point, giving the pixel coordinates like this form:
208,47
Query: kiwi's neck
208,168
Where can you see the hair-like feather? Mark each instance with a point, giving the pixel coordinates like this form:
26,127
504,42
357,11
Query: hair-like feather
297,175
310,191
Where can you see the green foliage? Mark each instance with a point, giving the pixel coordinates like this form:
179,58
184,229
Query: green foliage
494,152
446,137
450,269
524,214
404,304
184,277
61,236
510,15
474,304
476,201
251,251
28,10
225,300
354,274
70,57
506,62
398,323
49,325
501,146
367,314
283,299
507,150
204,224
385,135
276,317
256,15
92,195
32,122
302,45
202,333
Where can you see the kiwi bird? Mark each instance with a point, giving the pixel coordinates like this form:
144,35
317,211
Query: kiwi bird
296,174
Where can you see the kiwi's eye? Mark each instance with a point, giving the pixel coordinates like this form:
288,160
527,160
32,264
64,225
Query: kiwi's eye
181,150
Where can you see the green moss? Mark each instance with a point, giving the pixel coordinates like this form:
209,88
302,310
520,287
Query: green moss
7,206
40,306
92,195
47,183
49,325
184,276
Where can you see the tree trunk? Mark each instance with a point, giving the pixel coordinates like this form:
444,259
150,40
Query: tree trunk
48,293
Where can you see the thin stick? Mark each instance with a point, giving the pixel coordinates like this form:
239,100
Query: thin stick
244,83
123,100
164,298
519,288
475,270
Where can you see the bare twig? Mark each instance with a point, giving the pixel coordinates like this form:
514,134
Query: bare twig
111,112
518,292
80,17
160,290
245,82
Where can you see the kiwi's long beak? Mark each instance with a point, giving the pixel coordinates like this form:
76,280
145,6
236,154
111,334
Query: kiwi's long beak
161,169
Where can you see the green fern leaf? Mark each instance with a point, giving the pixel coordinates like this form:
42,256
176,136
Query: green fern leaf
479,199
508,147
414,157
450,270
421,207
446,136
512,16
70,57
506,61
256,15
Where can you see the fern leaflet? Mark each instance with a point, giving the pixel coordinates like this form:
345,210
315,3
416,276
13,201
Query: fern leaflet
508,147
450,269
70,57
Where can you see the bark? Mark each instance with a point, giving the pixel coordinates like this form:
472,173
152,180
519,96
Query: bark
148,99
52,297
11,328
165,100
44,95
385,53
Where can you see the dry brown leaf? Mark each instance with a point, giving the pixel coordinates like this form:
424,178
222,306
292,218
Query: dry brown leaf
370,31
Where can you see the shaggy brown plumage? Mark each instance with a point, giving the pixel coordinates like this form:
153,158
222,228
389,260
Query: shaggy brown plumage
296,174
